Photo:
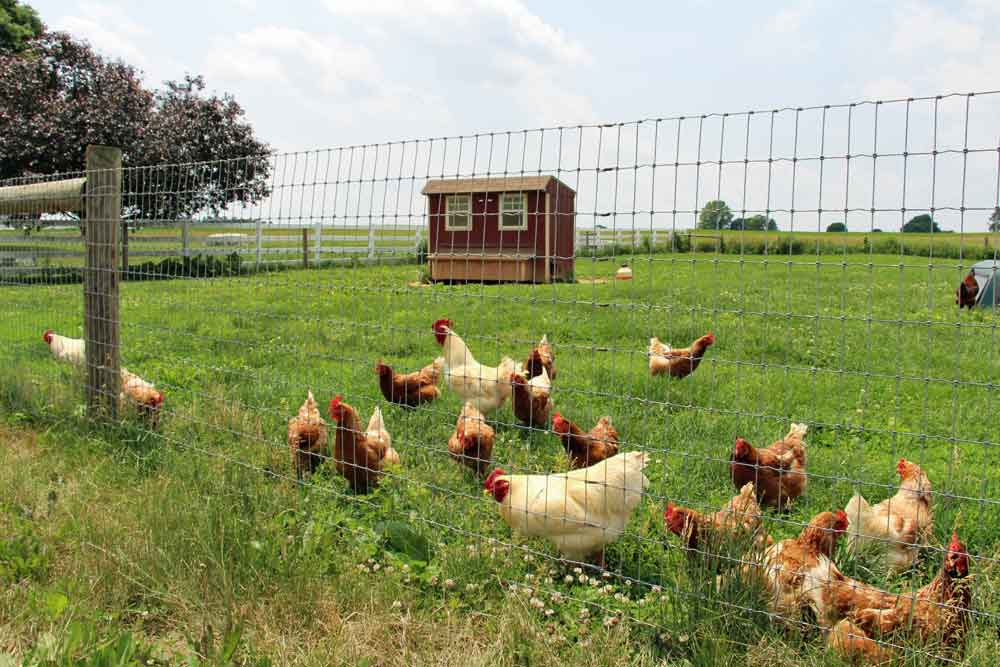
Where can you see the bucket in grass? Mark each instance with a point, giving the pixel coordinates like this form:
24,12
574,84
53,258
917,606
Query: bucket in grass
624,273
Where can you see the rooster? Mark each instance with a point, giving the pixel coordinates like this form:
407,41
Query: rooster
410,389
485,387
72,350
531,399
968,290
541,359
737,522
798,568
472,442
581,511
307,437
940,611
586,449
677,363
360,456
904,521
777,472
146,398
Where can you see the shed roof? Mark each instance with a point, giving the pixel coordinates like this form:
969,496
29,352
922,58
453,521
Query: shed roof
493,184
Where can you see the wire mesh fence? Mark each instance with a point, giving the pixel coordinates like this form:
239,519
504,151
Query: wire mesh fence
576,346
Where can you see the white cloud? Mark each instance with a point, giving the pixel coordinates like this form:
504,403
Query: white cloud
93,22
788,20
470,18
921,27
112,32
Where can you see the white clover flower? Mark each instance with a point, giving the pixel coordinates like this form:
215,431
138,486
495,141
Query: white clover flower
568,579
449,583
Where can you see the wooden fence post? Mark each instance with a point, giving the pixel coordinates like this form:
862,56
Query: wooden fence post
305,248
103,203
186,239
371,241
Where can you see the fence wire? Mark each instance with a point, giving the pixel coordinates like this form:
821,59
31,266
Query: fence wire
247,284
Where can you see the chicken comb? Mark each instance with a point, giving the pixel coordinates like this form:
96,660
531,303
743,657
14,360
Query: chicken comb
491,478
334,404
669,511
439,325
955,545
840,520
901,466
47,335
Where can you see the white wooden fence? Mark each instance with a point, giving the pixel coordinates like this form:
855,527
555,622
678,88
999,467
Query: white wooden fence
261,243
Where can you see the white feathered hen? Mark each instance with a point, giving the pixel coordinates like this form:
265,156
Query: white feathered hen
72,350
485,387
581,511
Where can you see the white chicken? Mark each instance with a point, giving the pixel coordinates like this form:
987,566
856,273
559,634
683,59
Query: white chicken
485,387
376,433
580,511
903,522
72,350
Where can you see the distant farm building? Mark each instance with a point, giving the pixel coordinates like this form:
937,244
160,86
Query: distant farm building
513,229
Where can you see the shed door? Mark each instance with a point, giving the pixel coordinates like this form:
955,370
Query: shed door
485,208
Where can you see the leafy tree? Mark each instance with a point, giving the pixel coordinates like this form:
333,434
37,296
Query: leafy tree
715,215
19,23
754,223
995,220
836,227
59,95
921,224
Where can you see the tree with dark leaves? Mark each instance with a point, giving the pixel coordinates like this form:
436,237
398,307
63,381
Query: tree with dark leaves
58,95
923,224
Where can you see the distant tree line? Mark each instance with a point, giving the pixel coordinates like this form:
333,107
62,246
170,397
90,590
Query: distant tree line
716,215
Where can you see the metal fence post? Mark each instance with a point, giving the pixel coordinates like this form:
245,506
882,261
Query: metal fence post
186,239
260,241
100,284
318,242
371,241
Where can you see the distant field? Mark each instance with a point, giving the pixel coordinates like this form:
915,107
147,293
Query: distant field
162,534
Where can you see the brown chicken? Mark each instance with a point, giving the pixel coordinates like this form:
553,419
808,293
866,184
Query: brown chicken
586,449
541,358
360,456
777,472
792,570
900,524
968,290
851,643
472,442
147,399
307,438
410,389
707,534
938,612
531,400
677,363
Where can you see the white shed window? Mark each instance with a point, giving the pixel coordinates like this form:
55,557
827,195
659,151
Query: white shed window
513,211
458,213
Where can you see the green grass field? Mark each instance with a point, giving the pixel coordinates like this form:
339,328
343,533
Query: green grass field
113,534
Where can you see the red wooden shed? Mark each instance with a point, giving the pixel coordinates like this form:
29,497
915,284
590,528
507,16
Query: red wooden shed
515,229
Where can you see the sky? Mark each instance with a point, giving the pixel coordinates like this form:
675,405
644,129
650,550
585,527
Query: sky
330,73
